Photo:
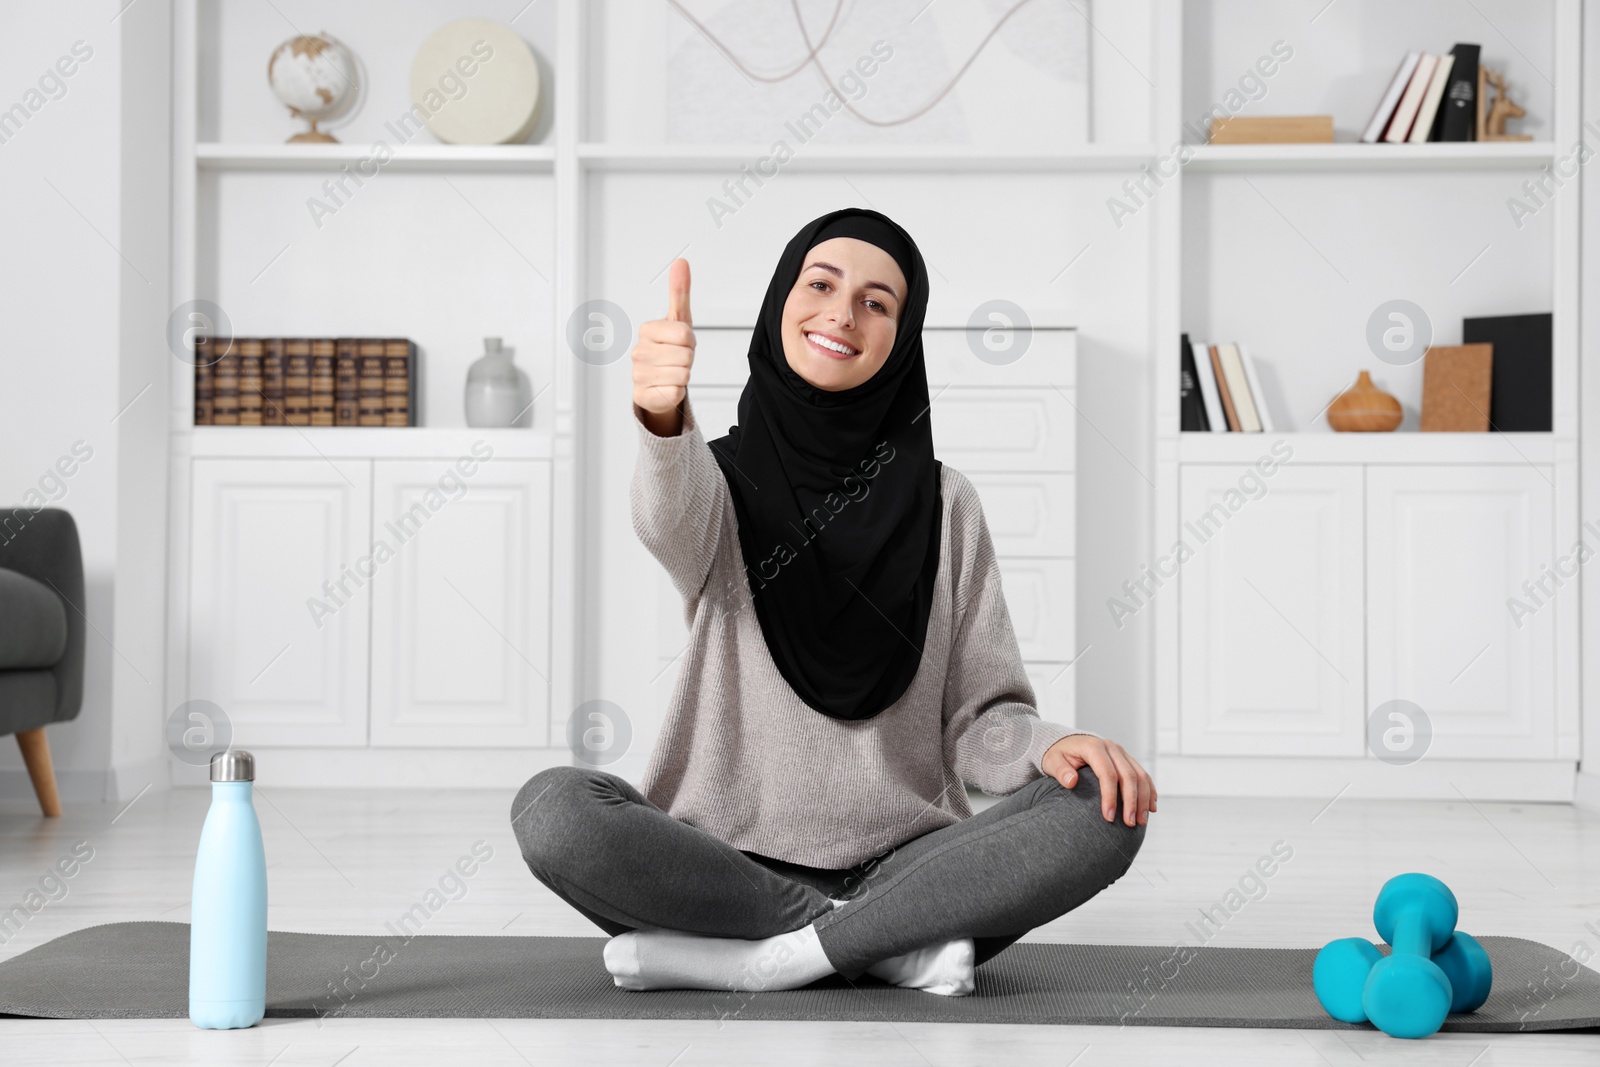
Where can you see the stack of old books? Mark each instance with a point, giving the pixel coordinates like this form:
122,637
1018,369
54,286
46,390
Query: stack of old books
305,381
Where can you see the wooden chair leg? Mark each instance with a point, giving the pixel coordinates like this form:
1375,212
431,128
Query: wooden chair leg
36,754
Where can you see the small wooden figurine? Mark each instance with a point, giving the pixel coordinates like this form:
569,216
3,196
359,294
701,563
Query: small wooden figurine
1492,127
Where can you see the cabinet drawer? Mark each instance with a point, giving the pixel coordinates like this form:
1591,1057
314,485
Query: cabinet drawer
978,430
1039,597
1029,515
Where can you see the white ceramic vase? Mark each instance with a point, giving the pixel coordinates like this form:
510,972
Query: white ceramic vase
498,393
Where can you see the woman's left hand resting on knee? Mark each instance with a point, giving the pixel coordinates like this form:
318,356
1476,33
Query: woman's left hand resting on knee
1119,774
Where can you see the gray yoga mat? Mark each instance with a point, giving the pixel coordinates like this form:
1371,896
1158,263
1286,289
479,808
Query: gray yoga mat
139,970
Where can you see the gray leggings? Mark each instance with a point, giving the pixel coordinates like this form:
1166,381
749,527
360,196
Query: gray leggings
625,864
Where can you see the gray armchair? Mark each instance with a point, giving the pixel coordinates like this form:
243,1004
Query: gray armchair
41,635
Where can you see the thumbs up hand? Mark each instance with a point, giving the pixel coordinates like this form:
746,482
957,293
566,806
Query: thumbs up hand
663,356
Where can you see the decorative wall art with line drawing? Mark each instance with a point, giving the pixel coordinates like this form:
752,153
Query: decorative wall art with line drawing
995,72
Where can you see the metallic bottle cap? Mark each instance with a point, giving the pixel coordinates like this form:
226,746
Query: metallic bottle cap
234,765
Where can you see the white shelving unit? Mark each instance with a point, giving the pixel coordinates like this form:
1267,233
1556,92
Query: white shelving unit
344,484
1371,567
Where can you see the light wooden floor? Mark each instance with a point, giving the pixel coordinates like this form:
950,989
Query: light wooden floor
345,862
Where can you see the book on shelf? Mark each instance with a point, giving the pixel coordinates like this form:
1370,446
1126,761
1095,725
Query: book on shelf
1239,388
225,384
323,351
272,413
1200,355
297,381
1457,119
1253,379
369,376
1230,412
1227,380
1391,99
1520,393
249,381
344,380
399,382
205,349
1191,406
305,381
1422,129
1405,112
1272,129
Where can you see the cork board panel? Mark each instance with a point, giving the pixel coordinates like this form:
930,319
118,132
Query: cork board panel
1455,387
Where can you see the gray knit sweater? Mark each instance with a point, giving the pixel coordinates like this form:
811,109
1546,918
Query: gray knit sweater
742,757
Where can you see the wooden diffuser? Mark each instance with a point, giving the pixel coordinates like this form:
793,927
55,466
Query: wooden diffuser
1364,408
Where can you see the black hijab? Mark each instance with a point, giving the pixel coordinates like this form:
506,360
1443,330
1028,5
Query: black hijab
843,599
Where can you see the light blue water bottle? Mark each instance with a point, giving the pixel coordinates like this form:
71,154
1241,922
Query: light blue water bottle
228,915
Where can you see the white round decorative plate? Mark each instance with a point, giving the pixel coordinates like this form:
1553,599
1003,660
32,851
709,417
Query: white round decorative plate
479,83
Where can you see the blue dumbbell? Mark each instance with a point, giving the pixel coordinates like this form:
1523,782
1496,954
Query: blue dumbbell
1340,974
1466,964
1405,994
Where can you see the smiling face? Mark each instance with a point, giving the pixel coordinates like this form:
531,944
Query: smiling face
839,320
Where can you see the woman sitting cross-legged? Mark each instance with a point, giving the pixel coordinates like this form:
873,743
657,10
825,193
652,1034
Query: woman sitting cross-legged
850,666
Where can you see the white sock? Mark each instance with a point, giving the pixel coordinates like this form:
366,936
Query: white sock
669,959
948,969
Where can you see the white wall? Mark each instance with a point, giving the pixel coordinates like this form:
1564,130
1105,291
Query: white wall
83,273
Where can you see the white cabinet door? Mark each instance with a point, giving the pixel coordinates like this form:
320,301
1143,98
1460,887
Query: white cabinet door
461,608
277,606
1449,549
1270,612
